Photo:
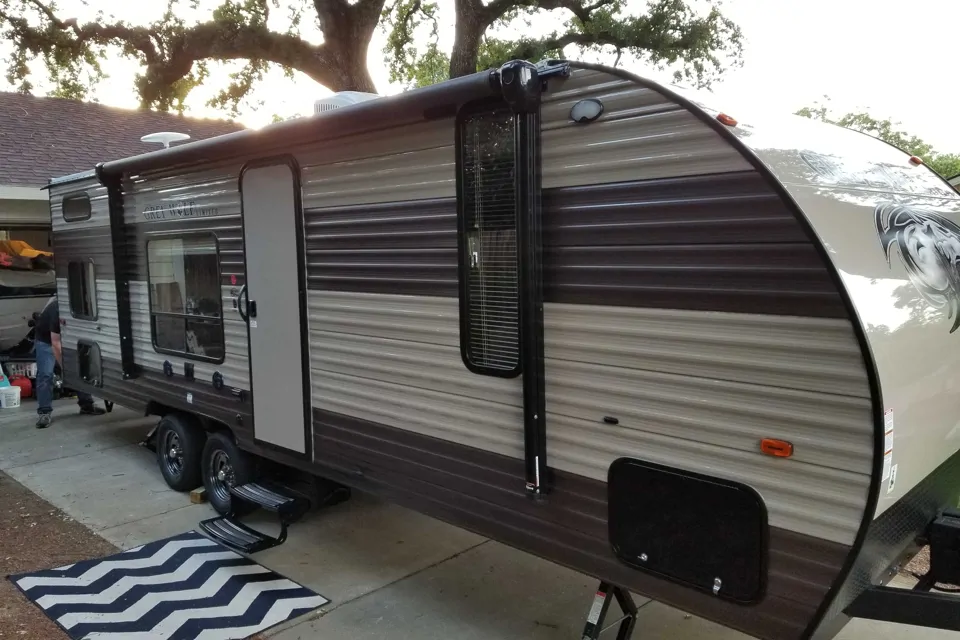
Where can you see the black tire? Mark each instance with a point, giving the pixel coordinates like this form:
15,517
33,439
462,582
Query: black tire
179,449
225,465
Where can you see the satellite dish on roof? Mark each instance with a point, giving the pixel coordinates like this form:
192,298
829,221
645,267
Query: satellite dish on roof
165,138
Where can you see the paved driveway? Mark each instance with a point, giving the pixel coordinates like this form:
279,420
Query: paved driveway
391,573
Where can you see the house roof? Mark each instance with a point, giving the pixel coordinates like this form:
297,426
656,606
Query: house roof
42,138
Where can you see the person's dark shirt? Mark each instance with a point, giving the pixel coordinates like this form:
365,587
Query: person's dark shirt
48,322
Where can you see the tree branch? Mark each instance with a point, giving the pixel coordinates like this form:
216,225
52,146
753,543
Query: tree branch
498,8
169,49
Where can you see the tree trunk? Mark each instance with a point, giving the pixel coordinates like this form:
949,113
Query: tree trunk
466,46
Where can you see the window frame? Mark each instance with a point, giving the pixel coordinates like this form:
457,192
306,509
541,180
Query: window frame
76,195
96,307
180,235
467,111
91,345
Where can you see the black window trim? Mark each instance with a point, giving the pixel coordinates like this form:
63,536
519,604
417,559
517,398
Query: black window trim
466,111
76,195
173,235
96,306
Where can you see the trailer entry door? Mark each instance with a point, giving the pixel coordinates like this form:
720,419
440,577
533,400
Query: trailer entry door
274,303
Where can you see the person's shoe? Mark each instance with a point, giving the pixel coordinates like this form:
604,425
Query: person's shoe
92,410
44,420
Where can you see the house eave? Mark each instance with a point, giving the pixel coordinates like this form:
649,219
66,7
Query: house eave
16,192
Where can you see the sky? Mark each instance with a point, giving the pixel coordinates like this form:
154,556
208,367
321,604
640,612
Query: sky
891,59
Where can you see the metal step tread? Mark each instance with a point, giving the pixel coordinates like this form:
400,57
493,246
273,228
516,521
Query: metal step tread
272,497
237,536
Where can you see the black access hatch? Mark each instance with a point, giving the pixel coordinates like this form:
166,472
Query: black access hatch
704,532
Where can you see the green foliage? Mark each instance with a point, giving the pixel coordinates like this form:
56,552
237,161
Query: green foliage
670,33
174,53
946,164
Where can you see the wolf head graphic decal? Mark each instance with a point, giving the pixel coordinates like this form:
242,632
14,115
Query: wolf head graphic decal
928,245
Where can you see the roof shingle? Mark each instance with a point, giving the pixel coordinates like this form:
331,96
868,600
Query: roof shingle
43,138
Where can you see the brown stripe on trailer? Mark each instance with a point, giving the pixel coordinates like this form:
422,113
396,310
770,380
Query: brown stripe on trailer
477,490
722,242
176,392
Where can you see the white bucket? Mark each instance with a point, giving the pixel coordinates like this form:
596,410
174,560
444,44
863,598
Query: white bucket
9,397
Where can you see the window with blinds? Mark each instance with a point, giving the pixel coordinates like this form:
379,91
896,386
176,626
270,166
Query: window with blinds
489,269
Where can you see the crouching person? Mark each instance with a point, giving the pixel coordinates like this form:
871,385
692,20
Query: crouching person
49,352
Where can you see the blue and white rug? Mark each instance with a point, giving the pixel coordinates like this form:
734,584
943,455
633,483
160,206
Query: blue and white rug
182,588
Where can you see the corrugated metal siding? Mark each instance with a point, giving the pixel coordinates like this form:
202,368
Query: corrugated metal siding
484,491
105,330
395,360
235,367
719,242
414,162
641,135
194,396
99,207
215,191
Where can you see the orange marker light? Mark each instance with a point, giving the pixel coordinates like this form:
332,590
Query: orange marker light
727,120
776,448
915,160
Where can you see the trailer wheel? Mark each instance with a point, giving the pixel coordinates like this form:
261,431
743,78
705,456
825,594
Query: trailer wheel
224,466
179,449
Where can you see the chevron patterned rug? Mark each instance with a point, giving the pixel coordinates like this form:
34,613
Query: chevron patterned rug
182,588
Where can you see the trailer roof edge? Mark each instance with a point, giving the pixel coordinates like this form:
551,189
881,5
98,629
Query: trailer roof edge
389,109
73,177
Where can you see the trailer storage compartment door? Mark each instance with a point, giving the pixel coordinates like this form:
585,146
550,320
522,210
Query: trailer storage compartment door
274,304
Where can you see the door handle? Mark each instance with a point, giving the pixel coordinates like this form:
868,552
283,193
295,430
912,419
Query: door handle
252,308
242,297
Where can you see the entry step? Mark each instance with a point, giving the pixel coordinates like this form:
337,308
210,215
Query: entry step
238,536
229,531
288,506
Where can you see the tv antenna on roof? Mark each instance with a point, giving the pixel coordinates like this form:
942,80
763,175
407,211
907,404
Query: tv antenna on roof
165,138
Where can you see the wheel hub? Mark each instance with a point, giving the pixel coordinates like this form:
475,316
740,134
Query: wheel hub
173,453
221,475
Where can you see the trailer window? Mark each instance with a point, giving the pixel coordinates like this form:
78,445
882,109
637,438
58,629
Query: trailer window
82,289
489,275
76,207
186,312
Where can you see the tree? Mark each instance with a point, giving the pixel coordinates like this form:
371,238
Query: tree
671,32
946,164
175,53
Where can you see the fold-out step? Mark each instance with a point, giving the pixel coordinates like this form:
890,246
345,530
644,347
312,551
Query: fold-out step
238,536
228,531
282,501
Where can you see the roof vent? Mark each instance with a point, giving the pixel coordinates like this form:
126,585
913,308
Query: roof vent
342,99
165,138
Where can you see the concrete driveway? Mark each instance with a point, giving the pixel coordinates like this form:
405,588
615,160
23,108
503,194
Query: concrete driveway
390,573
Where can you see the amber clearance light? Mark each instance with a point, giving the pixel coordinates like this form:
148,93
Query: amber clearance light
727,120
776,448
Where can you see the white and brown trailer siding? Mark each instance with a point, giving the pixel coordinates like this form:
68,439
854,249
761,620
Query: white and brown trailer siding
685,296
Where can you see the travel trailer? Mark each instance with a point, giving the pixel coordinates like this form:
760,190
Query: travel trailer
707,359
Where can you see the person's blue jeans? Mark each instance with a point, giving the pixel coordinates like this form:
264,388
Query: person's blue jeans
46,363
